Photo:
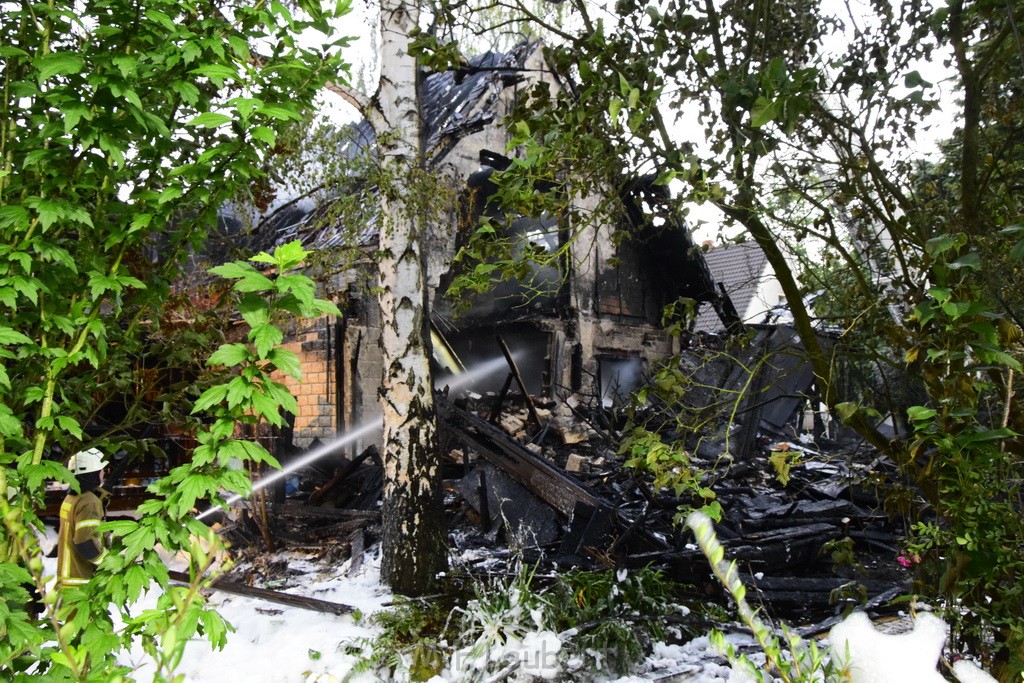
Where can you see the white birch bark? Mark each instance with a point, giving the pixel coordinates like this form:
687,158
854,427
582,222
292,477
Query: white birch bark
413,524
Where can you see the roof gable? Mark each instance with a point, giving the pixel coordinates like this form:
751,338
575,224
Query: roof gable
741,269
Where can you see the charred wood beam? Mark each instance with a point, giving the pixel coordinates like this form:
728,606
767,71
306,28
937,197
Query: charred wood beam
357,548
500,400
727,313
299,601
770,550
365,516
370,452
519,380
547,483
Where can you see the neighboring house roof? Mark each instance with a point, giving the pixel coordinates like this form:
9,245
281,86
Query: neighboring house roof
742,269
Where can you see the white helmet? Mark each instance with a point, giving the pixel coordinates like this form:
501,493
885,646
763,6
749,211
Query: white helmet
84,462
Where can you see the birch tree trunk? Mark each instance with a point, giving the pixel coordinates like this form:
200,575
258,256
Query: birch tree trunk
413,517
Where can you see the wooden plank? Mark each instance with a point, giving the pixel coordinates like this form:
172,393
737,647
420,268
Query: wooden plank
543,480
519,380
288,599
293,510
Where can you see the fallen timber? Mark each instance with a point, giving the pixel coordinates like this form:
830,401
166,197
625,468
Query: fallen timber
543,480
268,595
582,508
600,529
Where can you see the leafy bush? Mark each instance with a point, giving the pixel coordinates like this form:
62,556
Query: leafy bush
580,623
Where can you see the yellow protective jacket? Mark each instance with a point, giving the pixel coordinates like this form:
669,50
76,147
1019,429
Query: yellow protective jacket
79,544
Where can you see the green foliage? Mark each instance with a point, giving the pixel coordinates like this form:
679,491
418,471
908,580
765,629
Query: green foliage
125,126
167,519
966,452
841,552
670,464
792,659
613,617
409,632
686,401
601,622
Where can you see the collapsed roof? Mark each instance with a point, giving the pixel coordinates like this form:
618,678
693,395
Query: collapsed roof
456,104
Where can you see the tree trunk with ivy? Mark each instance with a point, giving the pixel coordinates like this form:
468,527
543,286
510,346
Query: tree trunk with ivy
413,524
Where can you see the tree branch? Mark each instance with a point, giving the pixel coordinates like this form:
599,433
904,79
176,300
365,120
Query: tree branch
350,95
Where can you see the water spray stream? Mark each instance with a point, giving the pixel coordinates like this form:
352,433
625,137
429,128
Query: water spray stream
313,455
473,375
454,383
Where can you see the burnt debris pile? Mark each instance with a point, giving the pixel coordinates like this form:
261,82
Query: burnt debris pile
801,516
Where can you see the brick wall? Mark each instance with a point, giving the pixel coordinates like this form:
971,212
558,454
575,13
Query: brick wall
315,392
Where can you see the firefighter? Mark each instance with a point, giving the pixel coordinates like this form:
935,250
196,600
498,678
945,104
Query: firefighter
79,544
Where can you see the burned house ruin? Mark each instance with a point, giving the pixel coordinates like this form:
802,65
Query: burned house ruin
592,328
584,332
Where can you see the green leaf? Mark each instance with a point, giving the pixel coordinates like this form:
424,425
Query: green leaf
11,336
282,11
217,73
257,453
624,86
140,221
326,307
265,337
14,216
971,261
300,286
846,410
279,112
214,628
713,510
48,212
763,111
73,114
136,579
937,246
189,93
245,106
920,413
159,17
10,426
254,309
286,361
988,435
54,63
239,391
70,425
288,255
914,80
264,135
254,281
210,120
8,51
229,355
1017,251
169,194
282,396
212,396
45,470
614,107
268,408
9,297
233,270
